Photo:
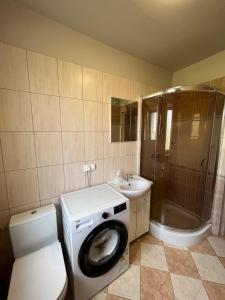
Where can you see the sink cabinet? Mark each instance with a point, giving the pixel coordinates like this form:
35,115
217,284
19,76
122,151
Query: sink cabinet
139,216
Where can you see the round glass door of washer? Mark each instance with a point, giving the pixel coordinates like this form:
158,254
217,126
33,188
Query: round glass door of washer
103,248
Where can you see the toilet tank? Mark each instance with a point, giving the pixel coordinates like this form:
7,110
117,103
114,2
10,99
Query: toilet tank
33,230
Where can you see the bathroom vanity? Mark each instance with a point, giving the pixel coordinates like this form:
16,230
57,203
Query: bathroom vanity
139,216
138,190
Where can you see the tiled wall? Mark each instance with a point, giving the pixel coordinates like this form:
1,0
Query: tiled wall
54,117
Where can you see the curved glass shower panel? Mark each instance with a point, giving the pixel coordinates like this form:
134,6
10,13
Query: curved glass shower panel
216,141
149,137
177,158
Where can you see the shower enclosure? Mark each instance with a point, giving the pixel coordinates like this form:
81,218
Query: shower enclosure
179,153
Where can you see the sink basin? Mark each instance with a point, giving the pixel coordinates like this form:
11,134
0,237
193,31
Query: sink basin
135,187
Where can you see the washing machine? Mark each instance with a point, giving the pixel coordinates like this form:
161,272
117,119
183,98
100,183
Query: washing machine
95,228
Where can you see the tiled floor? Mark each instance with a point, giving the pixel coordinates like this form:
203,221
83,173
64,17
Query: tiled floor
159,271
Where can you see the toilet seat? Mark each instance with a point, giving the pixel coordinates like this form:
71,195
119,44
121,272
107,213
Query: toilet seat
39,275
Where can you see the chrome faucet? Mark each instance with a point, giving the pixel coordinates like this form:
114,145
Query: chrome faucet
127,177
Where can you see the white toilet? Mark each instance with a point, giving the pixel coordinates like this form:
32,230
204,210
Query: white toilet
39,270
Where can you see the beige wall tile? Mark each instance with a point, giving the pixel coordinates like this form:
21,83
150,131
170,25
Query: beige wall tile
54,200
92,116
73,146
13,71
23,208
1,160
128,148
128,164
48,148
111,166
72,115
22,187
18,150
111,87
92,84
110,149
97,174
42,73
46,112
93,145
3,193
123,148
132,148
106,117
51,181
70,79
127,89
74,176
15,111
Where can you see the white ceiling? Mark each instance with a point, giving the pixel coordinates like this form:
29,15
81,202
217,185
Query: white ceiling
170,33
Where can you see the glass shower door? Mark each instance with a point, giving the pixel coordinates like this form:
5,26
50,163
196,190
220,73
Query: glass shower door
149,137
178,156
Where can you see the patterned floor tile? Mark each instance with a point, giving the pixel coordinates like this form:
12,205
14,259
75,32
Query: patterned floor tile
153,256
209,267
181,262
175,246
204,248
222,259
188,288
155,285
100,296
215,291
148,238
135,253
113,297
218,244
127,285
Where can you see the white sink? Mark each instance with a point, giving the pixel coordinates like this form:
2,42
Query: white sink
135,187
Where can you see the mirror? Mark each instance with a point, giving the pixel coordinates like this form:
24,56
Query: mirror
123,120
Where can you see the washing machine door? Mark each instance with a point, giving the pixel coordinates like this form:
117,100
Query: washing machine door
103,248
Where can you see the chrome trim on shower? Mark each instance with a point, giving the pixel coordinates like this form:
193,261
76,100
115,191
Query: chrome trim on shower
208,158
219,151
199,88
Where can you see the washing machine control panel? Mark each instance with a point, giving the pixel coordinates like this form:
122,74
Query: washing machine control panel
119,208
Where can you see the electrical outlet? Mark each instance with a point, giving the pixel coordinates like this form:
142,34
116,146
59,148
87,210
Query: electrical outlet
86,168
92,167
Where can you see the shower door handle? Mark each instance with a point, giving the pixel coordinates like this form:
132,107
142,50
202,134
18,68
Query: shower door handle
204,163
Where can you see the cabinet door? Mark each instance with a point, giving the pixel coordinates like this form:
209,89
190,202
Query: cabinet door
143,215
133,220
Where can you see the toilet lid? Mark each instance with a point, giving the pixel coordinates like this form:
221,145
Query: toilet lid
39,275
